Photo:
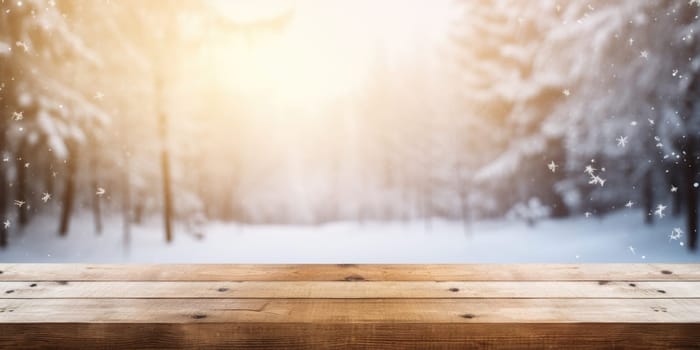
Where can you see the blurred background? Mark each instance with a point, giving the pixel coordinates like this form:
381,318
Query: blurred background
349,131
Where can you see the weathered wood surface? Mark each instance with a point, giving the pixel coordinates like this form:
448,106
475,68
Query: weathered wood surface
345,290
351,272
434,311
357,306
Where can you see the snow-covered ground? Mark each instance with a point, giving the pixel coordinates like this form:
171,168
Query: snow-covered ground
620,237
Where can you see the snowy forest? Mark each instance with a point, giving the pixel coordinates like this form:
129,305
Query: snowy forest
211,130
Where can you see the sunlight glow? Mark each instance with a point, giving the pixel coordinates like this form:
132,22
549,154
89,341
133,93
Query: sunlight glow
324,52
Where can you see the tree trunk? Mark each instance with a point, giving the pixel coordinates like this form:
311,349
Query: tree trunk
97,212
94,173
691,194
167,196
21,189
165,169
138,211
3,200
68,191
559,208
49,175
126,202
4,187
677,203
648,197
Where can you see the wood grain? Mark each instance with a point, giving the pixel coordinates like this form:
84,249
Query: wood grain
351,272
345,290
349,336
532,306
351,310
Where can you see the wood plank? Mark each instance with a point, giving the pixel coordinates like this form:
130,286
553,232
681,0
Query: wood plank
351,272
391,306
344,290
349,336
434,311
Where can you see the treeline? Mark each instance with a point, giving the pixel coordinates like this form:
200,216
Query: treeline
90,95
528,109
606,92
80,82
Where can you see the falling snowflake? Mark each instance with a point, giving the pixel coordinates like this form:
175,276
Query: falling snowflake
45,197
100,191
674,72
17,116
660,211
552,166
595,179
629,204
19,203
621,141
588,214
632,250
566,92
674,189
590,170
26,165
6,224
644,54
675,234
651,121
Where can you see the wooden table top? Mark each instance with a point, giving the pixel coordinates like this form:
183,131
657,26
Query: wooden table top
360,306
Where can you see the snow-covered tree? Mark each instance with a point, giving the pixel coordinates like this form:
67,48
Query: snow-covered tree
598,94
44,106
496,47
